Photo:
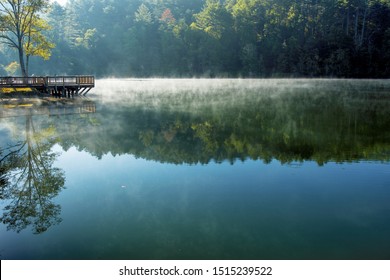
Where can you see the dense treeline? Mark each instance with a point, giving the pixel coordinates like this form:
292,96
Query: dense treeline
228,38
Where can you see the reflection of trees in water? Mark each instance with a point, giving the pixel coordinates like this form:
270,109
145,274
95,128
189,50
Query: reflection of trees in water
298,125
30,182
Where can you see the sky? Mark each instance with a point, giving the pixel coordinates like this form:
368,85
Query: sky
61,2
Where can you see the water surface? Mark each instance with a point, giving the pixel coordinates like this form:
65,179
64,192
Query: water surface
201,169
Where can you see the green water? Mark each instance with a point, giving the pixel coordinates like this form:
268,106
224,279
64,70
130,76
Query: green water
201,169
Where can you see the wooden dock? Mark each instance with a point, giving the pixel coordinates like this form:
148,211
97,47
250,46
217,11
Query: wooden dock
59,86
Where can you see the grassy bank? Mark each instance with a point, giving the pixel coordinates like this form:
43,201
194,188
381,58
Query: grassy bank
19,95
16,92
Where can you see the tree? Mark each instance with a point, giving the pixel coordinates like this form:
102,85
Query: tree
213,19
143,14
249,38
22,27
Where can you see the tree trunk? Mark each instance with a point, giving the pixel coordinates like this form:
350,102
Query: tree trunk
356,35
347,27
21,59
27,64
363,27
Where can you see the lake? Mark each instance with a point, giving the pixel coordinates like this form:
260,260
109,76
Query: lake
200,169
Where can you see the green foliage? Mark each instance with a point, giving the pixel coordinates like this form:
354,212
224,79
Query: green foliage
213,19
22,27
37,44
12,68
87,40
249,38
143,15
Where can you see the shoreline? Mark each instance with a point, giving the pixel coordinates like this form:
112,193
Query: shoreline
34,98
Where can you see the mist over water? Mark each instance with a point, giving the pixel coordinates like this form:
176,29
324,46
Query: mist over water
152,92
203,169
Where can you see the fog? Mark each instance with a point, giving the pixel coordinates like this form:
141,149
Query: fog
287,119
192,94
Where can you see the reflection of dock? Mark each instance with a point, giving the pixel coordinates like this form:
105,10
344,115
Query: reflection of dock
49,108
57,85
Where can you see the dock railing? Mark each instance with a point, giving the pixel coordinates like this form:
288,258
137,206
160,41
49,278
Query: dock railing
48,81
78,84
70,80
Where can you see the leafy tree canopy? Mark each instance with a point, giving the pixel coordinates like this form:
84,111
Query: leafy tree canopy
250,38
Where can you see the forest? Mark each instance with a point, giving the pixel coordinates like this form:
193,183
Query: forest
214,38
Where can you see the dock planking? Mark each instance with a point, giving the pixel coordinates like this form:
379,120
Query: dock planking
60,86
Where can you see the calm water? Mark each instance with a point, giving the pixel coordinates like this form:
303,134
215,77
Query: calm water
200,169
